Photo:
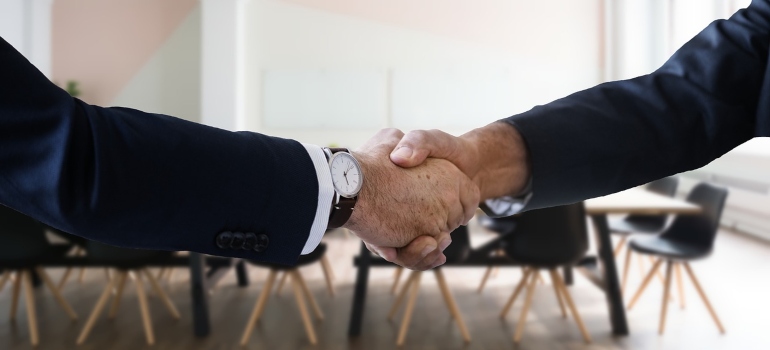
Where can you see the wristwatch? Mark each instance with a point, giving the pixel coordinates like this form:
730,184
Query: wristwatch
348,179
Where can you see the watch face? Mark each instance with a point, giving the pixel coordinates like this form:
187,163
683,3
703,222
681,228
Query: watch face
346,174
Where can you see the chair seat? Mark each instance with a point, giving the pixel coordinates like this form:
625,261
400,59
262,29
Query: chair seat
306,259
625,227
668,248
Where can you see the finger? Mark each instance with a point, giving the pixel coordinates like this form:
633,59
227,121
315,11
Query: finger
387,253
456,214
384,137
469,198
416,251
440,261
418,145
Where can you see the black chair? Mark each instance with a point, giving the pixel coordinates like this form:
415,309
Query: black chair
127,261
455,253
647,224
300,289
690,237
25,249
653,224
502,226
547,239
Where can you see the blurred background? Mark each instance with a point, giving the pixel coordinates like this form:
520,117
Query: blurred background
335,72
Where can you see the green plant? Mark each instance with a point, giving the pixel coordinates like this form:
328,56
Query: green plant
72,88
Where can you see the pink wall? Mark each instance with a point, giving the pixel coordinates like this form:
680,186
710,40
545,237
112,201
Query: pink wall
102,44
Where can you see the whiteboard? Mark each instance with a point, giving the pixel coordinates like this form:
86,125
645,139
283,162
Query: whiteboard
324,99
451,98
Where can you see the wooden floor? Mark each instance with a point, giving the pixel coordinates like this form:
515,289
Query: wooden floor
736,278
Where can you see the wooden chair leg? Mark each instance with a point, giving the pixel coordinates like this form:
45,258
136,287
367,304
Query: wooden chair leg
627,265
258,307
328,275
620,245
122,277
281,283
644,284
64,278
161,272
95,313
325,262
170,275
525,309
56,294
495,271
452,304
302,309
29,297
679,284
162,294
81,274
484,279
571,304
703,297
401,295
666,291
556,291
516,291
415,288
313,304
145,309
4,279
15,297
396,279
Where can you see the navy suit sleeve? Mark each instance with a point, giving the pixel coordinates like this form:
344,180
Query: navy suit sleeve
141,180
712,95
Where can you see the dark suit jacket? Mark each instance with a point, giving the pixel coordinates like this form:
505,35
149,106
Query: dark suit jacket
135,179
712,95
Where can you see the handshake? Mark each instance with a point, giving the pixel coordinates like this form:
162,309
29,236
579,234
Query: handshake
421,186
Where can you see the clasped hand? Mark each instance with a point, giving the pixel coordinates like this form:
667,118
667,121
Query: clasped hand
421,186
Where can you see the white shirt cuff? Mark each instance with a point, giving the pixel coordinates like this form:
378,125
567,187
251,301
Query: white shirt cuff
325,196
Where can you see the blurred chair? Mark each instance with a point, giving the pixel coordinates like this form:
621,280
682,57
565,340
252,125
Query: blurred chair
78,243
128,263
649,224
547,239
456,253
326,267
24,249
502,226
300,289
690,237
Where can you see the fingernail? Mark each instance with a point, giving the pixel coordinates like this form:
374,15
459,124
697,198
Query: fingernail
403,152
445,243
427,250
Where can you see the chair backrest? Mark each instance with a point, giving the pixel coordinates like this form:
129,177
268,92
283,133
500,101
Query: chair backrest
700,229
21,237
665,187
460,248
549,237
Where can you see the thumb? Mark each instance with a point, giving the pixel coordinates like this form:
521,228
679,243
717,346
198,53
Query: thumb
418,145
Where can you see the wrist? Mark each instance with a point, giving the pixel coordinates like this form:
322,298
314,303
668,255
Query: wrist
502,157
365,192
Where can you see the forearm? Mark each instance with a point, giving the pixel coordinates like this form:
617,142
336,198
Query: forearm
502,159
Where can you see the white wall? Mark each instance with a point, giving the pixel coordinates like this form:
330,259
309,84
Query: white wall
554,51
170,82
26,24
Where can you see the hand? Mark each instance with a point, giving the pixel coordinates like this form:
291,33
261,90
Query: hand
494,156
406,215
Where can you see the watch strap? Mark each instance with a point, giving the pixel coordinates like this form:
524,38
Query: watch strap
341,212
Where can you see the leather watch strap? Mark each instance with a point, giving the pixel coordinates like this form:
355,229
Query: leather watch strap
341,212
